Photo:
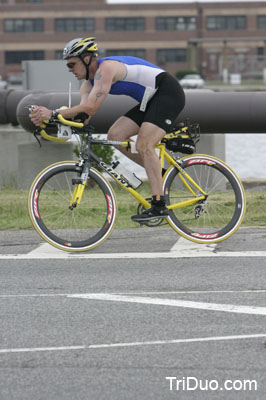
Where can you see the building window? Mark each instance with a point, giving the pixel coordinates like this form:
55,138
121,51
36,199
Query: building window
59,55
74,24
15,57
260,53
23,25
171,55
128,52
213,62
176,23
261,21
232,22
124,24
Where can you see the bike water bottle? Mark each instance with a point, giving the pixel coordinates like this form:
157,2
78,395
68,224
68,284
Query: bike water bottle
132,179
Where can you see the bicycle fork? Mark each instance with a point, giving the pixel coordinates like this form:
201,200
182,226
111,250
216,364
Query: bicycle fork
80,184
77,195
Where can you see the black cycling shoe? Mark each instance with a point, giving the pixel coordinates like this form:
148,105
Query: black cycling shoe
151,213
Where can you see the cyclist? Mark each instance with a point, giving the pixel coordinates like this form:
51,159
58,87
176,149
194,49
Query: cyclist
160,99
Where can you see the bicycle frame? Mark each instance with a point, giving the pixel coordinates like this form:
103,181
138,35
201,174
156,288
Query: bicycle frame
202,216
163,155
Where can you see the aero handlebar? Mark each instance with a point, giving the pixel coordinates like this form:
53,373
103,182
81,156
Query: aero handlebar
64,121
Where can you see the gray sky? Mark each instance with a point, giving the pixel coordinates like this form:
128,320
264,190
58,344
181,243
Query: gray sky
178,1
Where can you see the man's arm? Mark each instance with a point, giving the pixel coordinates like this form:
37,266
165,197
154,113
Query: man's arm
91,97
85,90
92,100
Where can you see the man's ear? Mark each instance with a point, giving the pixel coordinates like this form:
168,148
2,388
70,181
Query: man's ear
87,59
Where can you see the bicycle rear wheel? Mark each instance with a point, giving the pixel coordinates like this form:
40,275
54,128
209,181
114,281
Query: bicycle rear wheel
79,229
218,216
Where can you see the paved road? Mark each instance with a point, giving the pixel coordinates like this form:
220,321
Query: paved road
174,321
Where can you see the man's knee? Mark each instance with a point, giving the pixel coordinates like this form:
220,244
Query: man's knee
144,146
112,134
118,133
123,129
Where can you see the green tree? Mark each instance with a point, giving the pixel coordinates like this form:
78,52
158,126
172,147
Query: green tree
106,153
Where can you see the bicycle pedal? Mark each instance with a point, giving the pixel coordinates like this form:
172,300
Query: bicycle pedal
141,223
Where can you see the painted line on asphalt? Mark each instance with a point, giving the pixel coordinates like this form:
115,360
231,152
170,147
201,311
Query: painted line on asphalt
240,309
255,291
124,298
131,344
182,249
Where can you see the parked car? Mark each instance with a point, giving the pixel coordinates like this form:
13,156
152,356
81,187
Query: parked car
192,81
3,84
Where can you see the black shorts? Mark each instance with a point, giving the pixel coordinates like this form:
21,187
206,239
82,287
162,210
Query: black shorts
164,107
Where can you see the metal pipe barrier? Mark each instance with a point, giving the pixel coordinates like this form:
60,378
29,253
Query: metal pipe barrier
216,112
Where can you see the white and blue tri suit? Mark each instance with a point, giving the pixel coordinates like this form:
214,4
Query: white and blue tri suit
139,81
160,96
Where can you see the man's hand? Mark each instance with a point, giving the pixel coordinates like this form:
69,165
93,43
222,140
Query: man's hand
40,114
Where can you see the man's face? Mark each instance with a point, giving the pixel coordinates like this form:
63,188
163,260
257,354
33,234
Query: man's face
76,66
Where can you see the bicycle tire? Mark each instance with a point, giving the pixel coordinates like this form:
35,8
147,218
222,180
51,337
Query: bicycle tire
82,228
218,217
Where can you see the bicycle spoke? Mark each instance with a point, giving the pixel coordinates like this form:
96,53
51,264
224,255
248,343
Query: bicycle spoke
217,215
83,226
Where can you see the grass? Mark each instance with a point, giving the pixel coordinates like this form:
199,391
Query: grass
13,209
256,212
14,214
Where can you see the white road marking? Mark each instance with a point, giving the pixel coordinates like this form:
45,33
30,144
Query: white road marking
184,247
131,344
147,300
176,303
181,249
136,293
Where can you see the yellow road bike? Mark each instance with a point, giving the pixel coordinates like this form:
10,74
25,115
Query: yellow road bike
72,205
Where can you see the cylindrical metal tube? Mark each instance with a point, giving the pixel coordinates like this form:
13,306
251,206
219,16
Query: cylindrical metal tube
9,100
216,112
226,112
113,108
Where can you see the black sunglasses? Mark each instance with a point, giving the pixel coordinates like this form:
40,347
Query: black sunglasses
70,65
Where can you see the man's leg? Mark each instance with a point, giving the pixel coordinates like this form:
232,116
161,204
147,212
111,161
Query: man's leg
123,129
149,136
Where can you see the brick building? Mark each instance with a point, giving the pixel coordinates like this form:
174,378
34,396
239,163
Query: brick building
209,37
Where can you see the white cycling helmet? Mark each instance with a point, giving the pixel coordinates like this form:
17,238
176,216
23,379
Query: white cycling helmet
80,46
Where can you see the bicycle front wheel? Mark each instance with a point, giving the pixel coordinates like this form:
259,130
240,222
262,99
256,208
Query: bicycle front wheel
214,218
71,229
